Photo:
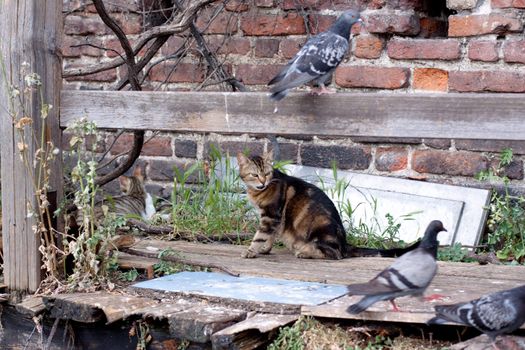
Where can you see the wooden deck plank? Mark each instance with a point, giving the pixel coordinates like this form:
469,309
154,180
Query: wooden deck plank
458,281
95,307
31,305
251,333
128,262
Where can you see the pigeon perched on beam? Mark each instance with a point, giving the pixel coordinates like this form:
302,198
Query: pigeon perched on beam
317,59
493,314
410,274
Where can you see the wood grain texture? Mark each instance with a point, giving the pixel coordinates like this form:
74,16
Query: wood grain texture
458,281
29,33
465,116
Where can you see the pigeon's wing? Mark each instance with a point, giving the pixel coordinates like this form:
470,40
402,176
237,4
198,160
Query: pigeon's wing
412,271
319,56
492,314
495,313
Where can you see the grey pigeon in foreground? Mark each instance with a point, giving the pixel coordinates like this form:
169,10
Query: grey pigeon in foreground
410,274
317,59
493,314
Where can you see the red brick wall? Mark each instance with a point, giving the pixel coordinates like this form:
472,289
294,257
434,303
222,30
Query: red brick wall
408,46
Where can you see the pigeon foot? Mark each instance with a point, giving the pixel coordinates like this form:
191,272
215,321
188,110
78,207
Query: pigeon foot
394,306
323,90
433,297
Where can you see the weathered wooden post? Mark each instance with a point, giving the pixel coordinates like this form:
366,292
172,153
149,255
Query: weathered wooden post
30,31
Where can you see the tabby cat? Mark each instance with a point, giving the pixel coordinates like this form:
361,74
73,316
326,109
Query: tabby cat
134,201
298,213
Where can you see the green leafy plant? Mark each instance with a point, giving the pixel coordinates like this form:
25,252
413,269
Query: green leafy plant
165,267
129,276
291,338
368,231
506,221
455,253
214,207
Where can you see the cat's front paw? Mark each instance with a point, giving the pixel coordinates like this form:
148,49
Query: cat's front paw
248,254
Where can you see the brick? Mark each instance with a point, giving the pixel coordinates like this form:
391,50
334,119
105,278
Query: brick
186,148
273,24
264,3
514,51
478,81
288,151
320,23
306,4
507,3
114,48
368,46
471,25
129,23
222,23
391,158
483,50
437,143
346,157
237,5
448,163
266,47
229,45
513,171
69,41
257,74
430,79
461,4
171,46
234,147
82,25
159,146
371,77
494,146
106,77
432,28
405,24
289,47
177,73
424,49
163,170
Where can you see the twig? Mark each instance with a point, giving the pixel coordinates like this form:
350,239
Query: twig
180,23
188,236
185,261
52,333
97,47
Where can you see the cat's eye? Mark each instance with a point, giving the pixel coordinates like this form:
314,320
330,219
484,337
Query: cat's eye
254,175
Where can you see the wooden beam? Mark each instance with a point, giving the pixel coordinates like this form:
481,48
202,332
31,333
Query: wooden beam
461,116
30,33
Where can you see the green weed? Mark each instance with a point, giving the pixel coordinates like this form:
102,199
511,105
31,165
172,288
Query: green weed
215,206
506,221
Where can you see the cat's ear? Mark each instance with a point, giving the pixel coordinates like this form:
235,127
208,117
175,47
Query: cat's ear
124,182
242,159
138,173
268,156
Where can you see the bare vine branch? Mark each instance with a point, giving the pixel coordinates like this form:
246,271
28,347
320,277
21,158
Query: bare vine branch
179,24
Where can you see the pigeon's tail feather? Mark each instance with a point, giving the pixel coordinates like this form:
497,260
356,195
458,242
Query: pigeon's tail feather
387,253
279,95
362,305
359,289
450,313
